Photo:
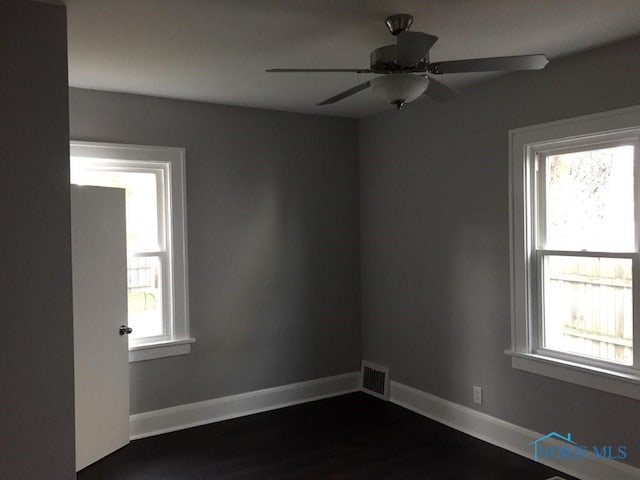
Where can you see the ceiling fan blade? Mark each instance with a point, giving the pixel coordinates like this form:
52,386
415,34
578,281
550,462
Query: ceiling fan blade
413,47
346,93
440,92
297,70
518,62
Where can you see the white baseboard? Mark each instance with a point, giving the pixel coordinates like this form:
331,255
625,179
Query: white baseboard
504,434
194,414
480,425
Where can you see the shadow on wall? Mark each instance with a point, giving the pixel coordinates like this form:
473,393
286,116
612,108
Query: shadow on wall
266,292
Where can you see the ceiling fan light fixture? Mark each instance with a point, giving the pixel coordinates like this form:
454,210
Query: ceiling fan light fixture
399,88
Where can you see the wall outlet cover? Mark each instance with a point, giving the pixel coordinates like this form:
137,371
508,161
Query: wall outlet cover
477,395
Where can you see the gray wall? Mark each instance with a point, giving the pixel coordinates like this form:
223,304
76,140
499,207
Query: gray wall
36,339
435,243
273,241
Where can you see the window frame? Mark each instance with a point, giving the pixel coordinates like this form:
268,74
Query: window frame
170,163
526,145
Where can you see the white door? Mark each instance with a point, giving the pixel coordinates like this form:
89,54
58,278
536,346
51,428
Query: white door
99,260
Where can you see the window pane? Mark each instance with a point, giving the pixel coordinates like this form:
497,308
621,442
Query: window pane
142,202
588,307
144,280
589,200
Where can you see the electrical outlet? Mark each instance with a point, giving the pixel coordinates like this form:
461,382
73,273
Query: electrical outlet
477,395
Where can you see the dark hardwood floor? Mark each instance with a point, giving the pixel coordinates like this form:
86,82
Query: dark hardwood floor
352,436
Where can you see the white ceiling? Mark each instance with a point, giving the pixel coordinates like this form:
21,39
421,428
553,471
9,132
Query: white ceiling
217,50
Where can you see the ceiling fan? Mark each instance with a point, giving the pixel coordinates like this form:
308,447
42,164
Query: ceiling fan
405,70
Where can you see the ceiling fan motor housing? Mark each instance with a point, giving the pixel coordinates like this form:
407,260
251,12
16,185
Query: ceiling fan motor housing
384,60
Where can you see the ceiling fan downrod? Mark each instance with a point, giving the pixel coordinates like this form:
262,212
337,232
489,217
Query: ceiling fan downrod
399,23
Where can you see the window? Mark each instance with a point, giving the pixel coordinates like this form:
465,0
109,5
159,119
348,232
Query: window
575,219
153,179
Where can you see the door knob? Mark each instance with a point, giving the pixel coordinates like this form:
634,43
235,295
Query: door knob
124,330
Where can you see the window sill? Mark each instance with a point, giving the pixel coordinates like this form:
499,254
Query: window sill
151,351
611,381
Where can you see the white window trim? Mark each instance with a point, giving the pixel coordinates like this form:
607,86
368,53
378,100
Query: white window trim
522,142
180,340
